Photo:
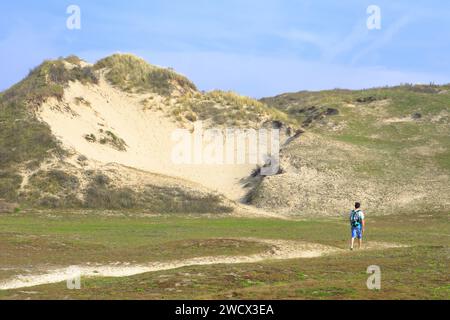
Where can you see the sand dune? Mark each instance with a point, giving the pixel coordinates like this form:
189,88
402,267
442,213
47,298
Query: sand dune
146,130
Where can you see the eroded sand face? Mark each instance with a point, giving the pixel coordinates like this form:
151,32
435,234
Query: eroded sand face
146,131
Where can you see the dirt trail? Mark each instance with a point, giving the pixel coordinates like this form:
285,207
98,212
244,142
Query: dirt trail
280,249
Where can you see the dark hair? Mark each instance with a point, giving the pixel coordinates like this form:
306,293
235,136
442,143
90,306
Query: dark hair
357,205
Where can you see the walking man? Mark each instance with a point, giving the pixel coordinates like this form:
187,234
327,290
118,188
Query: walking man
357,223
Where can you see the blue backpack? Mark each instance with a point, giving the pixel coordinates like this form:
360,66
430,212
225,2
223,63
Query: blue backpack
355,218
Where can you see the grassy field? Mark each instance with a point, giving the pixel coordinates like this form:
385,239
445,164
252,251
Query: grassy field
30,240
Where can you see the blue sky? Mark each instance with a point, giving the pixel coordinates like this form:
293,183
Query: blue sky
254,47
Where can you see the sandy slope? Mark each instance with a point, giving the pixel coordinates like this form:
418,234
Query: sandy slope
146,130
280,249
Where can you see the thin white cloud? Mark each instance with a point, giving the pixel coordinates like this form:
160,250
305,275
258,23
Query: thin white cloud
301,36
357,36
384,40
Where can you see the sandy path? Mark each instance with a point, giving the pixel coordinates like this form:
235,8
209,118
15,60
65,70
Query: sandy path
280,249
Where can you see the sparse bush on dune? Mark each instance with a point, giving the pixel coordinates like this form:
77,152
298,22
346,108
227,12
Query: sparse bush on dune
82,101
229,98
164,81
60,74
73,60
107,138
115,141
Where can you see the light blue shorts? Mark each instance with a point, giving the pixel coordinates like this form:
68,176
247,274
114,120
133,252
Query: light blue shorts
357,232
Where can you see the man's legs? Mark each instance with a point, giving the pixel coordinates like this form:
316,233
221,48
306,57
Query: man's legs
352,242
360,235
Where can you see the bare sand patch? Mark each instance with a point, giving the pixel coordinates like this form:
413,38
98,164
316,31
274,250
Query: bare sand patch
398,120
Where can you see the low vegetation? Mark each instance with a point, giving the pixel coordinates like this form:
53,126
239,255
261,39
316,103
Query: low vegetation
418,271
131,73
9,185
107,138
52,189
226,108
101,193
82,101
59,189
113,140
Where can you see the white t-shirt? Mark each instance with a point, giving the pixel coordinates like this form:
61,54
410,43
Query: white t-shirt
361,214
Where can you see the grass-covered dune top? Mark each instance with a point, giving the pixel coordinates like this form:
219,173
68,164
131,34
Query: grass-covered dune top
131,73
186,104
388,147
48,80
